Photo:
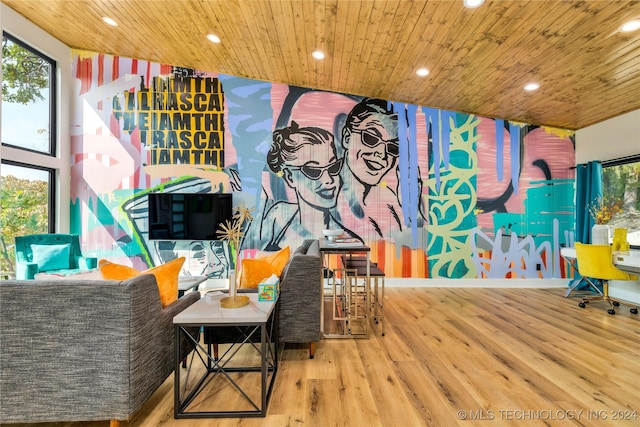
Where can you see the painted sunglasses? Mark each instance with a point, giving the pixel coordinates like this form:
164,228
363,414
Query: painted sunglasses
315,172
371,141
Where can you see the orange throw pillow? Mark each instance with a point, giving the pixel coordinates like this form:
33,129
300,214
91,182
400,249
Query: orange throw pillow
166,276
254,270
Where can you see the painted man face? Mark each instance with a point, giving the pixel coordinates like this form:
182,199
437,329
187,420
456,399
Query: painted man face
373,148
208,259
314,174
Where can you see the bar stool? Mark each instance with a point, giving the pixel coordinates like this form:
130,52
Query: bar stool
376,276
350,305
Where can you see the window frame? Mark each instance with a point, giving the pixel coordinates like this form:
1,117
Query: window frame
51,220
618,162
47,161
621,161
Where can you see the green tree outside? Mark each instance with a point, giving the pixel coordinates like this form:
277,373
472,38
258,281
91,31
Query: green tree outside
25,210
24,74
623,182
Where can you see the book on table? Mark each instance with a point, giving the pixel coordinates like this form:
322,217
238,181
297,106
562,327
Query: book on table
345,241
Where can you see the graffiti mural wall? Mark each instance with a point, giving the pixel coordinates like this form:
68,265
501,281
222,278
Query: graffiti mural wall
434,193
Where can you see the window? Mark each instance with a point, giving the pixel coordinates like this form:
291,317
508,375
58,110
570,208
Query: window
25,205
29,145
621,182
28,98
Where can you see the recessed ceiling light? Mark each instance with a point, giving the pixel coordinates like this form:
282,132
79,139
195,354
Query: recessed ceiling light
471,4
422,72
110,21
318,54
213,38
531,87
631,26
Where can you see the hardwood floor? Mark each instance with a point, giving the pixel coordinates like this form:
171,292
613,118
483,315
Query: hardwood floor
454,357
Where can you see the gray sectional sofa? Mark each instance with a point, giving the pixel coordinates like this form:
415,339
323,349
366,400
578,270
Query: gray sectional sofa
83,350
300,297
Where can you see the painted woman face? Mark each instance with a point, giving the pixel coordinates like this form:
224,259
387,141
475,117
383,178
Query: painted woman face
373,148
315,175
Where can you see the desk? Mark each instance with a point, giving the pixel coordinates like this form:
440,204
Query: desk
626,291
347,308
629,262
256,331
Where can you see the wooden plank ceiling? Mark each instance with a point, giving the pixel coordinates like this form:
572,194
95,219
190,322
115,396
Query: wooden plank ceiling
480,59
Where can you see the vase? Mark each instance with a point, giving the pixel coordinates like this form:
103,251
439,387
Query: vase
232,283
233,300
600,234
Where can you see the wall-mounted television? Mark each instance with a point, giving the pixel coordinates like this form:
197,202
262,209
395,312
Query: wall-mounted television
188,216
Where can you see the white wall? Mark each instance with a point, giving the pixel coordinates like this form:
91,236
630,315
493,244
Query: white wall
611,139
22,29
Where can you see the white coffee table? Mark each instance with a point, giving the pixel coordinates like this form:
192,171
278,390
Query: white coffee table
256,328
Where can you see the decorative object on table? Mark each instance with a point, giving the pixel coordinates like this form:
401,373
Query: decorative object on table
600,234
332,233
233,232
620,242
346,241
268,288
234,301
602,210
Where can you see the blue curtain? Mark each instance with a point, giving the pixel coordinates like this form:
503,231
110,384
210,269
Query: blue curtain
588,189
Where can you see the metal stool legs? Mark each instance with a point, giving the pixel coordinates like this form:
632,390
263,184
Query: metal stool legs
377,300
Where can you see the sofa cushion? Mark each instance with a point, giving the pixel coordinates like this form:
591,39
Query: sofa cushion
51,257
254,270
166,276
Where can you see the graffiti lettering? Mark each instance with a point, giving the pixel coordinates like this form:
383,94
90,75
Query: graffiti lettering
179,156
129,121
155,120
511,256
452,198
172,101
186,84
176,113
186,140
116,107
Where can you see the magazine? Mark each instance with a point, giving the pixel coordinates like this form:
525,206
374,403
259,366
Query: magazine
345,241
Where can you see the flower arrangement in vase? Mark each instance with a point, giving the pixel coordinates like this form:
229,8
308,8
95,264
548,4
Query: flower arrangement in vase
233,232
602,210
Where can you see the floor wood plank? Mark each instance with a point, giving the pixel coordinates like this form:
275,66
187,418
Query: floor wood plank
453,357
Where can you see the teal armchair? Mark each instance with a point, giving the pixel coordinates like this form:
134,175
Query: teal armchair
50,253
